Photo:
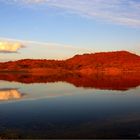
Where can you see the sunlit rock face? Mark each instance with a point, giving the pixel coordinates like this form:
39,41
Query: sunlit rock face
10,94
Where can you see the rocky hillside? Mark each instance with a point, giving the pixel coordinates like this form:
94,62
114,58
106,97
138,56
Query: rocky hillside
104,62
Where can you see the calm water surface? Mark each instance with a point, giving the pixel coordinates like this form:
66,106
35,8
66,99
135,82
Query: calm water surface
62,110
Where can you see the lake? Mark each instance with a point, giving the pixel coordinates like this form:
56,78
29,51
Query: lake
69,108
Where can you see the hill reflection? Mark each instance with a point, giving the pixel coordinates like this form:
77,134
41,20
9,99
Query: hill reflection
9,94
121,82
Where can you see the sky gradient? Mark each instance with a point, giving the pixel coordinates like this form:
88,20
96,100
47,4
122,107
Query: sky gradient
59,29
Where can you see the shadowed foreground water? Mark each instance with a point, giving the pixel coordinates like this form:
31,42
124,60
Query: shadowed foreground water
69,107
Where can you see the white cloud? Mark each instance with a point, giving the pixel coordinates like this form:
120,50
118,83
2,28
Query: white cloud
12,45
125,12
9,47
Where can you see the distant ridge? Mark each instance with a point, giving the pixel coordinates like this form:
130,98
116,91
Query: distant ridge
119,61
103,62
108,55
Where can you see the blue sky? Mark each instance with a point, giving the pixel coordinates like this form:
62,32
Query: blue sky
60,29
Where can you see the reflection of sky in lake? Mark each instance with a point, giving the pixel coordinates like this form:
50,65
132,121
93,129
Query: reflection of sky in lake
37,91
71,106
59,89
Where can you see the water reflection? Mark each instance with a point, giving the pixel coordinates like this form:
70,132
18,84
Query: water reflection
9,94
36,91
78,109
121,82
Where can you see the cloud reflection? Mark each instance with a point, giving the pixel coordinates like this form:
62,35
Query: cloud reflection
10,94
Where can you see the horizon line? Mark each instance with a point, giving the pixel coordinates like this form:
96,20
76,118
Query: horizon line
70,57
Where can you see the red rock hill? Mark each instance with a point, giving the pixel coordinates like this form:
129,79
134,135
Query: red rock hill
107,62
